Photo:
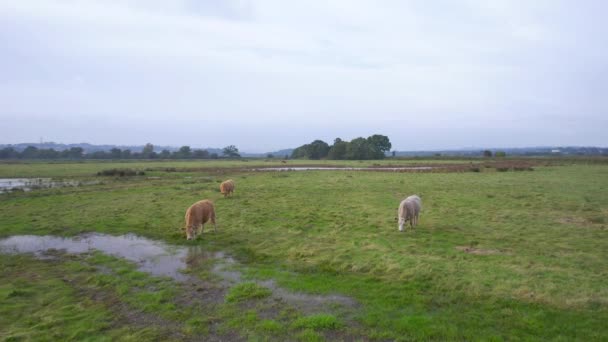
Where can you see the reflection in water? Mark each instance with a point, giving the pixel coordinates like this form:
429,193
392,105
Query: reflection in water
151,256
160,259
28,184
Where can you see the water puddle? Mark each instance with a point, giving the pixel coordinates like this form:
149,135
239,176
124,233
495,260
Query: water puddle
28,184
316,168
159,259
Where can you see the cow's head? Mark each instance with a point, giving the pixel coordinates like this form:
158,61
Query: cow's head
190,233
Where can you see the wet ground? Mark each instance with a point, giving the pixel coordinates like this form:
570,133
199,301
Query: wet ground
160,259
315,168
28,184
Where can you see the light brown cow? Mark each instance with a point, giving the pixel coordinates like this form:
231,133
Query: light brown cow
227,187
197,215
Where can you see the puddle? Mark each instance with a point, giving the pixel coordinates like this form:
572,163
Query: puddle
28,184
159,259
316,168
151,256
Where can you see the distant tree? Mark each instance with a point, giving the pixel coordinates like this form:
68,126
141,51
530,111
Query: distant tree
98,155
500,154
214,155
270,156
487,153
164,154
30,152
380,144
359,149
299,152
200,154
126,154
9,153
394,153
115,153
75,153
338,150
148,151
231,152
317,149
184,152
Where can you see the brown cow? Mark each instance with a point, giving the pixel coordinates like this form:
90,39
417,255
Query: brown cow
227,187
197,215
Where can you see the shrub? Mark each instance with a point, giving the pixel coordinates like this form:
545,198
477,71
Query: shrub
120,172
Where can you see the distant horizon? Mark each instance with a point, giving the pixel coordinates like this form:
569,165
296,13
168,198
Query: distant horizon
471,148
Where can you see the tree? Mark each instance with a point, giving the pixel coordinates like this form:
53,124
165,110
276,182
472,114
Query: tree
148,151
380,144
317,149
29,152
359,149
487,153
270,156
200,154
231,152
500,154
184,152
338,150
164,154
75,152
299,152
115,153
8,153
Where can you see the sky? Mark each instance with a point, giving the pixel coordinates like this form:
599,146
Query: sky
270,74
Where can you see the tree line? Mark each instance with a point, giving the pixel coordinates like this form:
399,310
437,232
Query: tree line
184,152
372,147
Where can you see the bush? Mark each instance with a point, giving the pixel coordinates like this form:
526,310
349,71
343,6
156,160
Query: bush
120,172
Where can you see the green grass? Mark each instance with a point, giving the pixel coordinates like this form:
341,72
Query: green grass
318,322
335,232
246,291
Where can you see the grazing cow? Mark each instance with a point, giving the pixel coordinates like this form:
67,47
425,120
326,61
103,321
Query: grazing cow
409,209
197,215
227,187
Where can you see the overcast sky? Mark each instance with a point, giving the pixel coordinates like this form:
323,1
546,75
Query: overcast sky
271,74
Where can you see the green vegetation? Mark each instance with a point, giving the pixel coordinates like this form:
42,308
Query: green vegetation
245,291
496,256
374,147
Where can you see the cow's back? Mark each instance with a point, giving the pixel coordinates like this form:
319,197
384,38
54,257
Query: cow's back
200,212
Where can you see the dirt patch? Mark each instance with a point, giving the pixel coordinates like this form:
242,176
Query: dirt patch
478,251
572,220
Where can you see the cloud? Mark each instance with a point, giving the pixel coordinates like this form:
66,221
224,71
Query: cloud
316,66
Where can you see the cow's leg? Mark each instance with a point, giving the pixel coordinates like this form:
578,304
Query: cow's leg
214,224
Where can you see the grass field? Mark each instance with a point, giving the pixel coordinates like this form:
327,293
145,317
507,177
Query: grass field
496,256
